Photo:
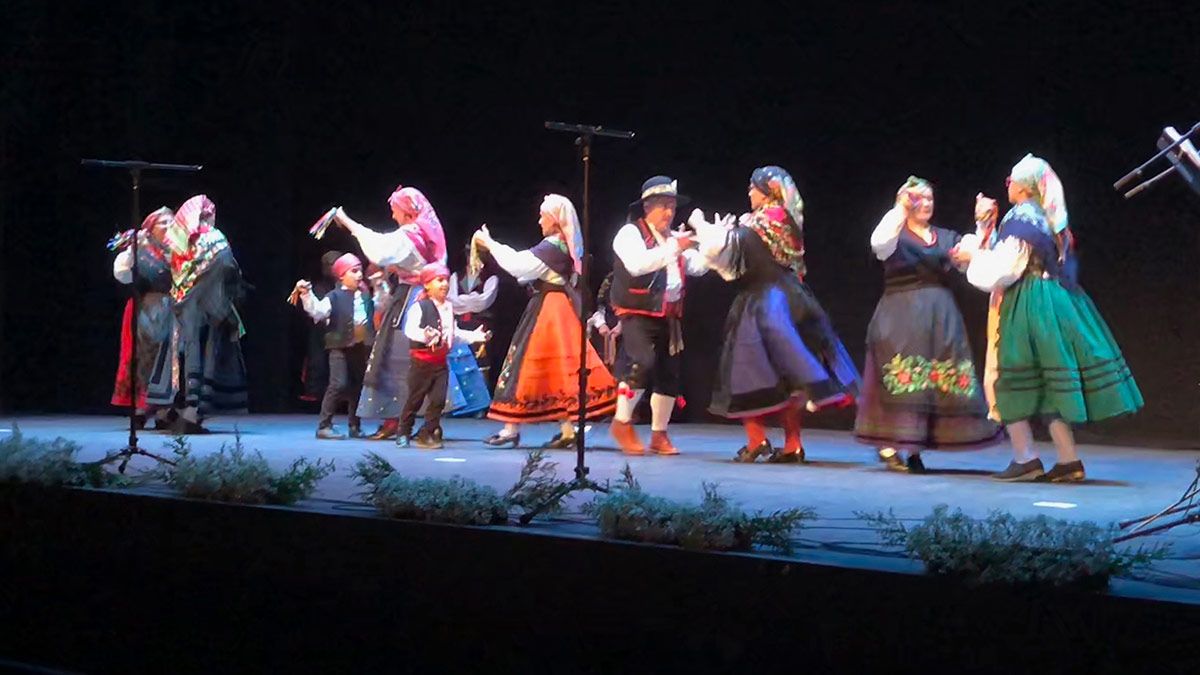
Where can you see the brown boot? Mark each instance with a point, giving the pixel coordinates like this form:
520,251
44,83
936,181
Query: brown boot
661,444
626,437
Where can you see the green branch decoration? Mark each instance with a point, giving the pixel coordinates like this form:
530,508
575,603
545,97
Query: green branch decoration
1005,550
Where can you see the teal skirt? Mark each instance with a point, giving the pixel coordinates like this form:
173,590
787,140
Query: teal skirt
1057,358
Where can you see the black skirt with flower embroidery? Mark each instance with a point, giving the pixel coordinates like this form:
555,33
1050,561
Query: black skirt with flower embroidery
920,383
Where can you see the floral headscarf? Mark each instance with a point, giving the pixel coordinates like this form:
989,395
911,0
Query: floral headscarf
412,200
121,240
195,217
1035,174
778,186
914,188
785,240
194,243
564,214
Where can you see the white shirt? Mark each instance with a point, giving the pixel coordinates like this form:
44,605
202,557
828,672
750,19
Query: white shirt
886,235
390,248
999,267
524,265
451,333
320,308
638,259
475,301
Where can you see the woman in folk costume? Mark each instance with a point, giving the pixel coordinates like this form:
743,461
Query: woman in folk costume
607,328
206,285
538,381
1050,354
402,252
155,319
780,349
472,297
921,390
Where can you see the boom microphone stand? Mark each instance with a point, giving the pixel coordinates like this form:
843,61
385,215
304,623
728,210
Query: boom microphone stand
585,135
135,169
1183,156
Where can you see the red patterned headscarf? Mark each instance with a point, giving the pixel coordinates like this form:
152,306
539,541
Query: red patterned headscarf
432,240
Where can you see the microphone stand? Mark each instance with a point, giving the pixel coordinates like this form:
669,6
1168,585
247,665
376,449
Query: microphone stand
585,135
1184,153
135,169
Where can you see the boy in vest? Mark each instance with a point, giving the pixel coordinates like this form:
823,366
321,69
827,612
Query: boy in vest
347,313
429,326
652,263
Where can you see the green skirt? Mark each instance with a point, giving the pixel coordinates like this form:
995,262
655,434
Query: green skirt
1057,357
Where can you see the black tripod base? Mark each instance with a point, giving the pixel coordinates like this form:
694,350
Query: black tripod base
580,482
129,452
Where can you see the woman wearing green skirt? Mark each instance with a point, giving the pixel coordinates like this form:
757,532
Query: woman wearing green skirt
1050,354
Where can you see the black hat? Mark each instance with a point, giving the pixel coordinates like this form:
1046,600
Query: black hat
660,186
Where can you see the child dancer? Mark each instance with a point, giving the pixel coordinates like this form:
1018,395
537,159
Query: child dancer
347,312
430,328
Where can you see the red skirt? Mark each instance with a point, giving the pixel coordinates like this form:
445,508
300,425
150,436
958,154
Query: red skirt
120,396
539,380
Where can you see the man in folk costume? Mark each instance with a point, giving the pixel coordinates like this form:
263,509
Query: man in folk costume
651,265
206,285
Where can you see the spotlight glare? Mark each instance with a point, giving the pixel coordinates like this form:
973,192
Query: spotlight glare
455,460
1056,505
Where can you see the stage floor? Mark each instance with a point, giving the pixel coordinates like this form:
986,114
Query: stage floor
841,478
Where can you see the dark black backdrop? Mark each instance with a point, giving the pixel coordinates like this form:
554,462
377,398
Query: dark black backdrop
294,109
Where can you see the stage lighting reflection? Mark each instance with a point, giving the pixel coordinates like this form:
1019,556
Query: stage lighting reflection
1056,505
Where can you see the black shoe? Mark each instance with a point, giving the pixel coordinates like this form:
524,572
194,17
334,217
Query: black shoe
427,440
893,462
915,465
166,421
747,456
781,457
498,441
1016,471
403,440
330,434
357,432
559,443
1071,472
186,427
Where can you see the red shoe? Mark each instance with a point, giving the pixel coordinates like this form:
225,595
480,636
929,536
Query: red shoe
626,437
386,431
660,444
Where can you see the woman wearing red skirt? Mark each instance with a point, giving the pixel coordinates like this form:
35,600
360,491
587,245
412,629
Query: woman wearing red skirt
538,381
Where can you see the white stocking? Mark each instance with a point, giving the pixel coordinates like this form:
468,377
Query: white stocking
1064,441
660,411
626,404
1022,442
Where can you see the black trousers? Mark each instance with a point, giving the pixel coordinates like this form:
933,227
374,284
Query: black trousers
648,362
346,368
425,380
